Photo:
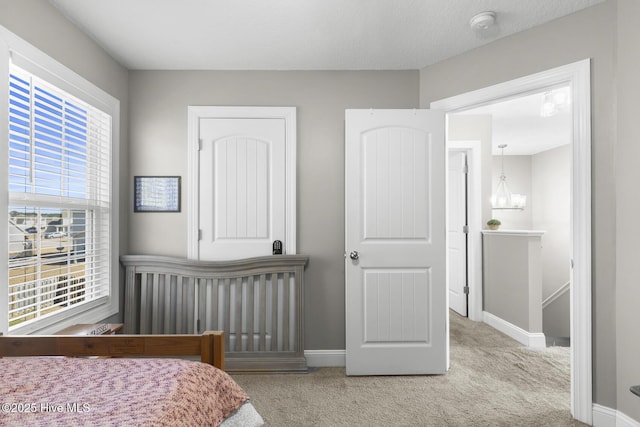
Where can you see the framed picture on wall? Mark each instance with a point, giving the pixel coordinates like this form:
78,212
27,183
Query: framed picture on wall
156,194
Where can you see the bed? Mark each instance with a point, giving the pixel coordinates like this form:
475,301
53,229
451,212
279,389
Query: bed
124,380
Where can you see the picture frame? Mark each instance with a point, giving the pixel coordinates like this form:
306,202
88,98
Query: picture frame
156,193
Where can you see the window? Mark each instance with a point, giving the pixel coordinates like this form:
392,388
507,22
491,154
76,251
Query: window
60,239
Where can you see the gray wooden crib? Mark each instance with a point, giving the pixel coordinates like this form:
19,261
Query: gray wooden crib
257,302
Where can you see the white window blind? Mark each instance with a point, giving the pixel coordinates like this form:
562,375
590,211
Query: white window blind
59,200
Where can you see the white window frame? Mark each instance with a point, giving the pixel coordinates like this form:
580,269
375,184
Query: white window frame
26,56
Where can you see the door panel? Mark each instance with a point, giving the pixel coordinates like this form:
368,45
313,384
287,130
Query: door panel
395,200
395,191
456,238
394,306
242,187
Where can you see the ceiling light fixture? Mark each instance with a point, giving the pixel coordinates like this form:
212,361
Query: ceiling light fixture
503,198
554,101
483,21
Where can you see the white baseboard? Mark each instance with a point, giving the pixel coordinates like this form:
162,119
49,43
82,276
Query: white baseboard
603,416
607,417
326,358
530,339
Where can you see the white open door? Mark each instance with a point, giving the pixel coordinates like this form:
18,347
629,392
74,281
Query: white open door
457,230
396,293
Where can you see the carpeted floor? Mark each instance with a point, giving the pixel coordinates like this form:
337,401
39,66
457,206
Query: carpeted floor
493,381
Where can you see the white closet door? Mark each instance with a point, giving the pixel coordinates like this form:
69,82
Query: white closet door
242,187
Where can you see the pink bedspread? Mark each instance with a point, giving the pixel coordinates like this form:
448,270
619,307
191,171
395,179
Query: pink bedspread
116,392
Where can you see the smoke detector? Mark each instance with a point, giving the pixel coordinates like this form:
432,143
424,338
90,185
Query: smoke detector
483,21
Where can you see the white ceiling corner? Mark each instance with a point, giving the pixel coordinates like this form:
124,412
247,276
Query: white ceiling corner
299,34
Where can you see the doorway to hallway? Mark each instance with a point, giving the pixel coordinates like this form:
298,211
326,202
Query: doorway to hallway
577,76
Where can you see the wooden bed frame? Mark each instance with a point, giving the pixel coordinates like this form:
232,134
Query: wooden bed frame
209,346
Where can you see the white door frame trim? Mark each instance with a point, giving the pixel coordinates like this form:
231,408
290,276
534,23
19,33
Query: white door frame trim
195,114
578,76
473,150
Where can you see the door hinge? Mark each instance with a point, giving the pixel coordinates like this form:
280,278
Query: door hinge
465,229
199,145
466,290
465,169
199,234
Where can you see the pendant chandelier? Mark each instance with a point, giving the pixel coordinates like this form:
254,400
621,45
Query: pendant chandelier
503,198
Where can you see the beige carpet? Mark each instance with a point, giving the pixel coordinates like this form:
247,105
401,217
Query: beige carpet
493,381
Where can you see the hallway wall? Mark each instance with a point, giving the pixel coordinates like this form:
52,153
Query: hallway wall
590,33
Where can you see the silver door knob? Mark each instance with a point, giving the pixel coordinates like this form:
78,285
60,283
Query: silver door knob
354,255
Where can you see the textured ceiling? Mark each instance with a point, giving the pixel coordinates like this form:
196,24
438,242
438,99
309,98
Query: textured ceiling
299,34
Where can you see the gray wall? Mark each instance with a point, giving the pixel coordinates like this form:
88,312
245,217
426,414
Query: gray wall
61,40
627,232
556,318
591,33
477,127
545,179
511,277
158,117
551,212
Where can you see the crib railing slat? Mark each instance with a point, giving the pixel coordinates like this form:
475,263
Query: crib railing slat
262,313
227,312
286,289
145,310
190,313
238,313
155,301
167,303
213,307
250,312
172,295
274,312
179,307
